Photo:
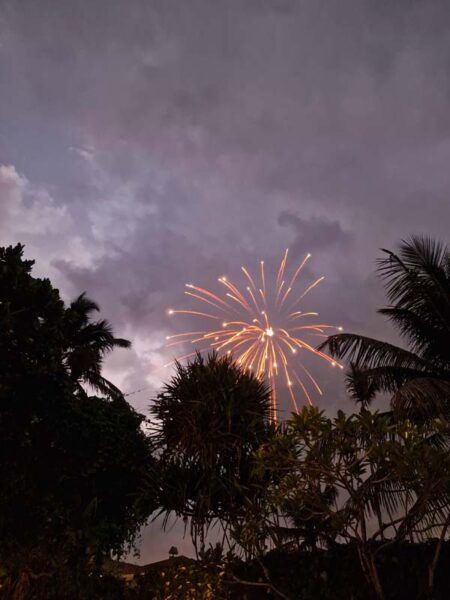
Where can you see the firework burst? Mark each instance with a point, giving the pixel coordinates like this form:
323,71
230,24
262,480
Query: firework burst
262,326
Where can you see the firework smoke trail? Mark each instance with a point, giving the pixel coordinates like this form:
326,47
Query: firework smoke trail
261,328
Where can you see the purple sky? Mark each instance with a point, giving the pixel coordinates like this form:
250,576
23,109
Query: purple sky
146,143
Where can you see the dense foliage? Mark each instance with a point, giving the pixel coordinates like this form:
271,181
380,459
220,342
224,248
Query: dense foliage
365,479
73,468
211,418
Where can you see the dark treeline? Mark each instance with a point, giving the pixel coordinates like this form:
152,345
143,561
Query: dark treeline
349,506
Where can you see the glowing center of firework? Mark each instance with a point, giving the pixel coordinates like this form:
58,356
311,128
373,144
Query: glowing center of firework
270,332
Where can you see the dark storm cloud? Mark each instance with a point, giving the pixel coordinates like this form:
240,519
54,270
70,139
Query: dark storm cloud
316,233
149,143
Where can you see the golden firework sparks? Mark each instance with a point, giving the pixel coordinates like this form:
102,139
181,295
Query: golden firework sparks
261,328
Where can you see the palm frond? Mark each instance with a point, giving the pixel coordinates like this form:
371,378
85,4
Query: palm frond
361,387
423,253
417,279
122,343
391,378
422,398
367,352
102,385
386,496
83,305
99,334
425,335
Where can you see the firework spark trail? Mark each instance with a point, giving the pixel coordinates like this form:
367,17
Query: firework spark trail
260,329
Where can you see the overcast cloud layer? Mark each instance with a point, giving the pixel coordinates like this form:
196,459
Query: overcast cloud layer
147,143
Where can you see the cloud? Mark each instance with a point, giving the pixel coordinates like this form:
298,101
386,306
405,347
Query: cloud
177,141
29,214
26,209
315,233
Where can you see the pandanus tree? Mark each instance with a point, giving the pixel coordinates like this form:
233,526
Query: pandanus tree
417,280
209,421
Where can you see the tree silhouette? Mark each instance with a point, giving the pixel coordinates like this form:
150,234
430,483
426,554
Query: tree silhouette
87,343
74,469
338,473
210,419
418,287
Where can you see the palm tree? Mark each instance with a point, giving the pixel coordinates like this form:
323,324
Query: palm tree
87,342
361,388
418,287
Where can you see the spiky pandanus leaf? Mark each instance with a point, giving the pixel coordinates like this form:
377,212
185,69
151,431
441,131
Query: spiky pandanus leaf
209,421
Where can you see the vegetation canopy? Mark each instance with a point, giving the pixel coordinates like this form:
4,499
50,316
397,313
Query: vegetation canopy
74,468
320,506
210,420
